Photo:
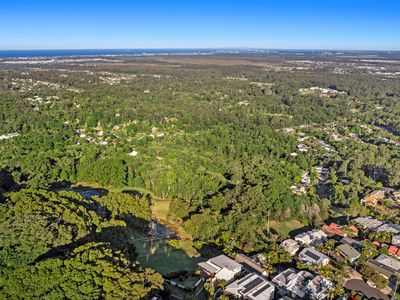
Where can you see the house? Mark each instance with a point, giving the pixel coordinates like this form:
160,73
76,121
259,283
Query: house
393,250
349,252
302,148
249,264
221,267
396,240
313,257
385,265
322,173
351,242
251,287
390,228
290,246
373,198
396,195
376,244
292,283
353,229
317,288
333,229
311,238
368,222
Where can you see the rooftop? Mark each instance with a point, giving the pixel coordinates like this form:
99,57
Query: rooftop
225,262
313,256
388,261
368,222
349,251
252,287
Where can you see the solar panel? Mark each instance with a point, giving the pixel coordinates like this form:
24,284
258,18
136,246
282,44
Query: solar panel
248,287
243,279
312,255
261,290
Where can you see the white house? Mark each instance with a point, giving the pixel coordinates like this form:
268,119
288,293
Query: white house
313,257
251,287
311,238
221,267
290,246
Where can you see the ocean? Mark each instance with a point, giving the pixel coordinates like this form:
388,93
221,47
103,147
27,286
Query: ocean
97,52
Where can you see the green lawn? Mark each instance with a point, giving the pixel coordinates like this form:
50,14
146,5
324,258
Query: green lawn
283,228
164,258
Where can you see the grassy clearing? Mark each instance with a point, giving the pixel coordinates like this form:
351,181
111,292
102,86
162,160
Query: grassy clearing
163,258
283,228
158,254
160,207
160,211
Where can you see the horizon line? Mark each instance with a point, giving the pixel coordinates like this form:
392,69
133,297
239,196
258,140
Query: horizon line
209,48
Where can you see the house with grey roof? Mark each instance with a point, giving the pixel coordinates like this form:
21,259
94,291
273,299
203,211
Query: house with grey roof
352,242
368,222
292,283
250,264
251,287
313,257
290,246
349,252
221,267
390,228
385,265
396,240
318,287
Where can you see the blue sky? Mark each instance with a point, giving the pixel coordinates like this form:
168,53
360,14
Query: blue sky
319,24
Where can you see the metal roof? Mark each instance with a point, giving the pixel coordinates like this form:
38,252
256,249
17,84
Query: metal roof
224,261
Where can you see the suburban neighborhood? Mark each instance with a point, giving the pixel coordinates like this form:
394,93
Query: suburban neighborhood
371,265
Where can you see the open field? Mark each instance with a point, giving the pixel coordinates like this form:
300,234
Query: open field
283,228
163,258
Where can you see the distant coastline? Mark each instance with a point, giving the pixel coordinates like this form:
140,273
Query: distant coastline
108,52
167,51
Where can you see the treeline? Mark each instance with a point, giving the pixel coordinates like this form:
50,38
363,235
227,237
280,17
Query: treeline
57,245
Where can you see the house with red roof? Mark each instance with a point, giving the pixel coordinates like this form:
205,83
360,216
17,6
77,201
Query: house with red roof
377,244
393,250
398,253
353,229
333,228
